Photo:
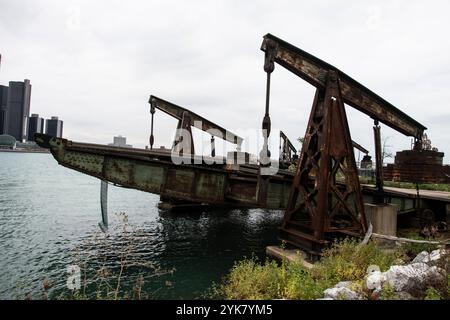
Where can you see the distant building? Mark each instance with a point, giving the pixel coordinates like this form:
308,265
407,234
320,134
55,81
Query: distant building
120,141
7,142
418,166
366,162
35,125
3,109
18,109
54,127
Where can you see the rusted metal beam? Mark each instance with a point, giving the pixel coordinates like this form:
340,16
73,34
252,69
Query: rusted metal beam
315,71
378,197
184,124
154,171
360,147
287,141
287,150
195,120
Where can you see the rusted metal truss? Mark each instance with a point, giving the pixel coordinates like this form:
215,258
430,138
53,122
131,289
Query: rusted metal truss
315,213
287,151
315,71
187,119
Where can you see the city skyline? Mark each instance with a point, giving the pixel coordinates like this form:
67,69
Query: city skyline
15,119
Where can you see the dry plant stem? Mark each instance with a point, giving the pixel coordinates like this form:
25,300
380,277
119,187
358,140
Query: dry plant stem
122,265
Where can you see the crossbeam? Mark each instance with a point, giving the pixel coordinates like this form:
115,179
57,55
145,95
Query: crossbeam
287,141
315,71
196,120
360,147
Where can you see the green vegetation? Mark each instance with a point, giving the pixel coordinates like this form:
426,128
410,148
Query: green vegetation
345,261
251,280
409,185
411,249
432,294
388,292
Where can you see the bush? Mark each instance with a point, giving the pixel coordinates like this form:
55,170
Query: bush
432,294
249,279
346,261
411,249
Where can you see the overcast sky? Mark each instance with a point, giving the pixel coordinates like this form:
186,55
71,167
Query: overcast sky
95,63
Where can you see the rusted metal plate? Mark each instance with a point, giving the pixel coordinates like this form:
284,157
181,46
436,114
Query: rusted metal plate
119,170
209,186
278,194
241,190
179,180
150,177
85,161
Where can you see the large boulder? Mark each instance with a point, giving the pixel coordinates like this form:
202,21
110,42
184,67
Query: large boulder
413,277
342,291
425,257
375,280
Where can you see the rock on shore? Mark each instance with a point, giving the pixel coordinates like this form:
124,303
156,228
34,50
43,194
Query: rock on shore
405,281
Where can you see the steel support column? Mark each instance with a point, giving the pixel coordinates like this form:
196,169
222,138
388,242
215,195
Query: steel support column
378,196
316,211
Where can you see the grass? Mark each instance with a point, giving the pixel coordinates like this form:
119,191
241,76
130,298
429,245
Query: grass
252,280
345,261
411,249
409,185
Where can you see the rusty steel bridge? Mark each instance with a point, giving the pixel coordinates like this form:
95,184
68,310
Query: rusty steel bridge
322,198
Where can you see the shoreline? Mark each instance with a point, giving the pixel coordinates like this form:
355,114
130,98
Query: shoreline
25,151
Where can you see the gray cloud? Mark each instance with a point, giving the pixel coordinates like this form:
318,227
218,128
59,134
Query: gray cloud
95,63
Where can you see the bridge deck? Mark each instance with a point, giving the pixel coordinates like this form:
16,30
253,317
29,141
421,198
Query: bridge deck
412,193
217,184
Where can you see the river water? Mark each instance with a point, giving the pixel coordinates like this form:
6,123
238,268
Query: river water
49,221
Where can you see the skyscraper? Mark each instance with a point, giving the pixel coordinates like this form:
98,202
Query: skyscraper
54,127
3,109
18,109
35,125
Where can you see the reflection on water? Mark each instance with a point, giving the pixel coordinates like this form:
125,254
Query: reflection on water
49,216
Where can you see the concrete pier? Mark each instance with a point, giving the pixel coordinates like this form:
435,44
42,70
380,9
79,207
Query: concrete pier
292,255
383,218
384,221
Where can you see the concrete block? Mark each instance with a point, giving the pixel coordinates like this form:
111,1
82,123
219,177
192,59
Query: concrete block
383,218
